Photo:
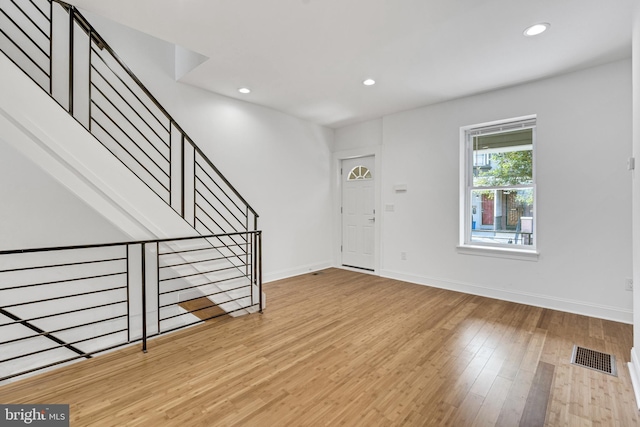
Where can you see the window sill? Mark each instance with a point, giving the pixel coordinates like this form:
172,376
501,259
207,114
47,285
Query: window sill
519,254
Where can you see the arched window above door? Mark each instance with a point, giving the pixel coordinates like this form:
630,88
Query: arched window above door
359,172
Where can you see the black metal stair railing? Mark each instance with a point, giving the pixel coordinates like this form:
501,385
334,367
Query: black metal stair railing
40,332
53,43
62,304
71,303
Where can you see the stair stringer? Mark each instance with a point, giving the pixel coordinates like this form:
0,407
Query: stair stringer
35,125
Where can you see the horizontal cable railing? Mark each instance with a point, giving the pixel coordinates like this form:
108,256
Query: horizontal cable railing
56,46
58,305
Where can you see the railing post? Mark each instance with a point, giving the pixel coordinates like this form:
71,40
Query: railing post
259,235
248,246
193,192
90,73
158,283
128,295
144,299
182,178
71,31
252,248
51,48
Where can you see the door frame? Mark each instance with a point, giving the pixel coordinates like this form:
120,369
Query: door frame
338,157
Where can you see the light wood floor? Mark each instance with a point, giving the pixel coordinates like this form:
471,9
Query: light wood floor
343,348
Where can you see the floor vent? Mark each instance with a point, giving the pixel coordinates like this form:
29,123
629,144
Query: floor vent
601,362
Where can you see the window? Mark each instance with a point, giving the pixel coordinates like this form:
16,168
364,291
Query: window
499,185
359,172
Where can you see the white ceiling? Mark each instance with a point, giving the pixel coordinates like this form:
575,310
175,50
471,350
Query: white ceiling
309,57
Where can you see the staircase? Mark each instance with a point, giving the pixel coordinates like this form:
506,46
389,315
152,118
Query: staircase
74,108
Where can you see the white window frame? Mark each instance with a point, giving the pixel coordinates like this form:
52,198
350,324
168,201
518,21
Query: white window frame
527,252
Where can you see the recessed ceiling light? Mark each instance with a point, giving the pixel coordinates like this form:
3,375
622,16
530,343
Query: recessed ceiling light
536,29
369,82
244,90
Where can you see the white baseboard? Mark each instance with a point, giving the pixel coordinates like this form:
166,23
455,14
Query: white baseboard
634,371
285,274
571,306
356,270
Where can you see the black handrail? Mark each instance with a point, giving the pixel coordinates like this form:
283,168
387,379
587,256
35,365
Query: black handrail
135,242
86,271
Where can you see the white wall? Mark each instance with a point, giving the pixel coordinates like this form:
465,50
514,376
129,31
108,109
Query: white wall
584,206
280,164
636,175
37,211
634,366
361,135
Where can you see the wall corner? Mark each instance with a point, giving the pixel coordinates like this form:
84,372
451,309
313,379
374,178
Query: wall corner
634,371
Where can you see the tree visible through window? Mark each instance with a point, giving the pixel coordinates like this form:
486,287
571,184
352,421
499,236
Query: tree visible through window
500,185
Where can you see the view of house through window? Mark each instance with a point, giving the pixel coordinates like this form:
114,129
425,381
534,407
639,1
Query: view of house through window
500,185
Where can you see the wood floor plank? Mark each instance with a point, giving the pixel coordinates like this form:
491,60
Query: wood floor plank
493,403
535,409
514,405
468,410
344,348
202,308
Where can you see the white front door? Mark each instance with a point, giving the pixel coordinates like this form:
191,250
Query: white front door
358,212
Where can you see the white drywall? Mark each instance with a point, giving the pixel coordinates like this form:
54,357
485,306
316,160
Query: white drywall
362,135
634,366
584,193
280,164
38,211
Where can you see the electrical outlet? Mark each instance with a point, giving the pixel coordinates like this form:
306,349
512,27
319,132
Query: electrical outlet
628,284
403,256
